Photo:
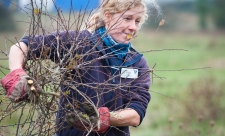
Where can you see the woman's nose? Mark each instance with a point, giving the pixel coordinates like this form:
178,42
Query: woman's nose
133,26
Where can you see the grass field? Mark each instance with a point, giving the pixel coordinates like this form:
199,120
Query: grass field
187,101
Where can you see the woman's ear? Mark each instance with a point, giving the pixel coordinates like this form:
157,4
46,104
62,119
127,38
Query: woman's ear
107,17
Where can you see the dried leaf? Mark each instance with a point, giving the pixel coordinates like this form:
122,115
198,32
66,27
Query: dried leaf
71,64
161,23
85,116
49,123
129,36
36,11
46,51
77,56
67,92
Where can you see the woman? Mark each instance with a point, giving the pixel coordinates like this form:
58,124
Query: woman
106,71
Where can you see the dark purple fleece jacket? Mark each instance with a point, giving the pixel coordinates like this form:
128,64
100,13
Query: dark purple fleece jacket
96,71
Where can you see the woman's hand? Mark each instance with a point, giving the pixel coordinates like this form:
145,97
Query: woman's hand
16,85
84,121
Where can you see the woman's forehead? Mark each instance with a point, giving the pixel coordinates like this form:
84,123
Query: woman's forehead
137,11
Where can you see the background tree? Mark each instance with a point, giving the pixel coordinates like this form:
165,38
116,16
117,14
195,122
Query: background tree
217,13
214,8
202,7
6,21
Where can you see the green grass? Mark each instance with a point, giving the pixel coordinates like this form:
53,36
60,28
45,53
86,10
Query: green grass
204,50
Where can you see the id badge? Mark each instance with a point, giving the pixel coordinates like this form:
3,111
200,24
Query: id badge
129,73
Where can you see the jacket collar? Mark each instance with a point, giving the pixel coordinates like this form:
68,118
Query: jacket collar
131,57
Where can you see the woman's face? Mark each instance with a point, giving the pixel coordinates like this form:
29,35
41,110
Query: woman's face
123,26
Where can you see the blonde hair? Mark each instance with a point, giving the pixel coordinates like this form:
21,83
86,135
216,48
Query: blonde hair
114,6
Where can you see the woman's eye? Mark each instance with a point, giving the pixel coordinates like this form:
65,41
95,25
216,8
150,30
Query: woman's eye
127,18
137,21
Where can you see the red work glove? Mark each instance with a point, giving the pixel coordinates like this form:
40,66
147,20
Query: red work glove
104,121
16,86
83,122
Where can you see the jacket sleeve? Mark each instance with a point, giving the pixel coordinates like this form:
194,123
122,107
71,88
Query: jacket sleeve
52,46
139,95
41,46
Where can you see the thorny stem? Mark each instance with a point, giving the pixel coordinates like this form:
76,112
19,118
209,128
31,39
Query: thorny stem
19,119
164,50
